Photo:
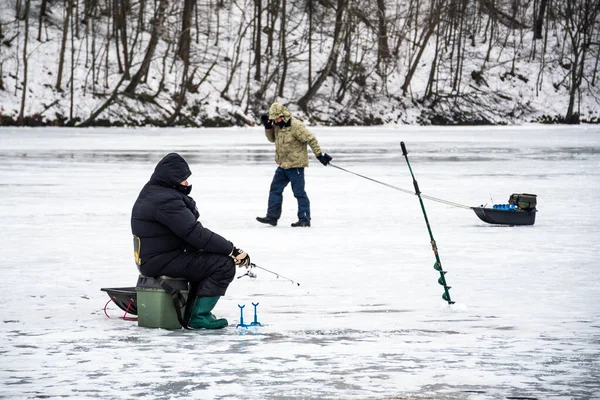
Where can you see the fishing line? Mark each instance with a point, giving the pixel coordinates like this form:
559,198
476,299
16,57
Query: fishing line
450,203
251,274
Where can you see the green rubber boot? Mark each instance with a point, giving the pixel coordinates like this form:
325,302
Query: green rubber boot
203,318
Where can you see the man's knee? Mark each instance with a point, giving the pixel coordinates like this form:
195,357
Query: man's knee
224,269
229,269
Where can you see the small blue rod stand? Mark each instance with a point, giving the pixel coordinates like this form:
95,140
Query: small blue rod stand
241,317
253,323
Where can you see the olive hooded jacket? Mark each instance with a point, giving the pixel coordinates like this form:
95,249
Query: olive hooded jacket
290,141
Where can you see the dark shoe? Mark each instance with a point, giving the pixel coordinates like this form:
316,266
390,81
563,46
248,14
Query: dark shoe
267,220
202,317
301,223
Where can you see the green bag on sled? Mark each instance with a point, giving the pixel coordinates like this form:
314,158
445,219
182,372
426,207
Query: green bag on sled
524,201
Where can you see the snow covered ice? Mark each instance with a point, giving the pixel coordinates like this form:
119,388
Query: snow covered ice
366,322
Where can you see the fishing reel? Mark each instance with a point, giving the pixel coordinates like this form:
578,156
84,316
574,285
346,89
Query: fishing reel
249,273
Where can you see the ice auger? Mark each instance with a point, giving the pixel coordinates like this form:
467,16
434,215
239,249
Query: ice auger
438,264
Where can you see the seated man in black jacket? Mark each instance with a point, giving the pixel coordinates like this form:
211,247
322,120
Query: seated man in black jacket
169,240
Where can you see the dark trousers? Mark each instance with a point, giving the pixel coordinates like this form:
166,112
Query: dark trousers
282,177
213,272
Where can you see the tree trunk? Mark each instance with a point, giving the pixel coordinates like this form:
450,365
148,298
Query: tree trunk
42,19
284,55
594,75
71,80
76,27
122,28
539,20
257,40
21,119
104,106
18,6
335,48
273,7
580,23
432,81
433,21
343,76
183,47
138,30
1,80
107,48
383,49
459,48
180,96
569,118
116,32
235,63
61,59
157,29
310,50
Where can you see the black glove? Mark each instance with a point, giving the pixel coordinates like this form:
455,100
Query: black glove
266,121
240,257
324,158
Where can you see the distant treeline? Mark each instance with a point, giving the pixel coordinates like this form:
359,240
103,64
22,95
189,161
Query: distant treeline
222,62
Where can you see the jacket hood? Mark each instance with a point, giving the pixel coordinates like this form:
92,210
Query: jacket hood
278,110
171,170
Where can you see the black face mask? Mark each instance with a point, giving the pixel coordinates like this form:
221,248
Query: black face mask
184,189
281,124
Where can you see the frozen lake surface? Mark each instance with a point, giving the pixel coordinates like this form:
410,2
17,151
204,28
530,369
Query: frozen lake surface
367,321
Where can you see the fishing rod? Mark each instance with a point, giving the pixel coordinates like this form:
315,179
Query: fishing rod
251,274
450,203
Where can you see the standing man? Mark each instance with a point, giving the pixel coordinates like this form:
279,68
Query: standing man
169,240
291,154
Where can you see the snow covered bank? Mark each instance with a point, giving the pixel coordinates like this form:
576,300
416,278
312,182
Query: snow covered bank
126,67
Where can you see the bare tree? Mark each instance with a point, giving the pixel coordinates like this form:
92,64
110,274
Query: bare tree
42,19
21,120
284,55
295,48
432,89
310,33
579,18
257,38
428,30
107,46
157,28
383,48
458,39
539,20
347,66
235,62
120,8
72,80
61,59
1,62
273,7
333,55
180,98
183,47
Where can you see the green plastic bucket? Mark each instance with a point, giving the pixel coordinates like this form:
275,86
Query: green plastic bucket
155,307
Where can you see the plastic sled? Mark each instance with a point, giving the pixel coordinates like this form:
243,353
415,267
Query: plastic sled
506,217
125,298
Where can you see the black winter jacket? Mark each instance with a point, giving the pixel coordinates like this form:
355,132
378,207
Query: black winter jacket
166,220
